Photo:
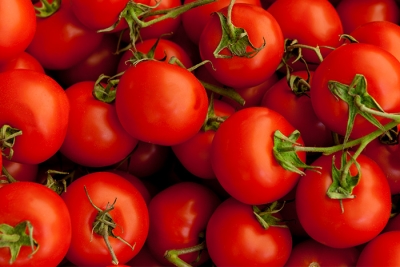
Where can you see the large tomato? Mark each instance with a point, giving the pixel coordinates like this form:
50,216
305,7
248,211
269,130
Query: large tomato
347,222
123,207
243,71
242,156
29,204
17,27
382,74
150,106
35,104
234,237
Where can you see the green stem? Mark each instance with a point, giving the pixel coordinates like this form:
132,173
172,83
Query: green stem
173,254
227,92
231,28
9,177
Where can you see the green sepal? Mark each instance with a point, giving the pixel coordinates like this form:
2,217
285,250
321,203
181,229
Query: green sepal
266,217
47,9
15,237
108,93
7,139
285,154
356,96
236,44
212,121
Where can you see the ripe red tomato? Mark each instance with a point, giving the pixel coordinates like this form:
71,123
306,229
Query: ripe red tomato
46,212
17,27
95,137
321,28
150,107
128,212
242,157
22,61
242,71
234,237
322,217
354,13
382,73
38,106
178,216
21,171
381,251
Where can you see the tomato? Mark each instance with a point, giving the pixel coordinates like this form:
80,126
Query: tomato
178,216
144,258
31,203
381,251
95,137
241,71
17,27
21,171
298,110
324,219
164,49
149,103
22,61
384,34
195,153
321,28
310,252
128,212
354,13
43,129
242,157
382,74
235,238
61,41
195,19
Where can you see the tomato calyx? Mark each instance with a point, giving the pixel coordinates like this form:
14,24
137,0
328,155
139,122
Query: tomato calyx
7,139
172,255
15,237
106,93
47,9
234,39
266,216
58,185
391,137
298,85
104,225
212,121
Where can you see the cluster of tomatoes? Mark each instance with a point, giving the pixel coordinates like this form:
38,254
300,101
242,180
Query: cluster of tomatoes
199,133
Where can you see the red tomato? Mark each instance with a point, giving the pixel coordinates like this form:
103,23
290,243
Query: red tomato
22,61
21,171
43,129
178,215
242,71
235,238
312,253
46,212
195,19
381,251
95,137
150,107
242,157
144,258
321,28
195,153
164,49
322,217
17,27
382,73
61,41
354,13
129,214
298,110
384,34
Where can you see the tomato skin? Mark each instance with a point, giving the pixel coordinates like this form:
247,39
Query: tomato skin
381,251
20,171
178,215
61,41
43,128
322,217
342,65
150,107
22,61
94,138
354,13
242,157
48,215
130,214
235,238
238,72
321,28
310,252
17,27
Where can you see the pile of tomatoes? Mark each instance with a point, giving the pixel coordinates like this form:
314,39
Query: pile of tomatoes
199,133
